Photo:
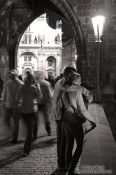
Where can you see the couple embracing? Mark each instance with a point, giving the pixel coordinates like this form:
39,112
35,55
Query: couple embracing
71,117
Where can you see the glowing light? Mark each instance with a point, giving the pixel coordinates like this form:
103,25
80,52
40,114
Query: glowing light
98,24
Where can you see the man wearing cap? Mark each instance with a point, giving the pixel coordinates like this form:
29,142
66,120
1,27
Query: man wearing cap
9,102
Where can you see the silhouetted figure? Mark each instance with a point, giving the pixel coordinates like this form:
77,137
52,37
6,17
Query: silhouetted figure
51,80
27,95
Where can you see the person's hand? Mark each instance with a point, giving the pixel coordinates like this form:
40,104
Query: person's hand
88,126
93,124
90,97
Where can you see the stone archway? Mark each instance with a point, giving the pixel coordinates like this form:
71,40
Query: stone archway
70,15
64,6
61,7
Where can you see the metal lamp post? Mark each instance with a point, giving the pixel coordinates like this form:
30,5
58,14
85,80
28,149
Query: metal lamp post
98,24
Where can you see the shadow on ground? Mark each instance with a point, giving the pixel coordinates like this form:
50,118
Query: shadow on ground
17,153
7,142
11,157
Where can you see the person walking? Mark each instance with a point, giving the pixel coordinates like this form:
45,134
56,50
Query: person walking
45,103
9,96
71,123
27,104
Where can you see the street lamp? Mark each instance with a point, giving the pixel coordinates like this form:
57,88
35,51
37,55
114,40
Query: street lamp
98,24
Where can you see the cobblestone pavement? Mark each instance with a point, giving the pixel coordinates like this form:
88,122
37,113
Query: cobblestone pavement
42,159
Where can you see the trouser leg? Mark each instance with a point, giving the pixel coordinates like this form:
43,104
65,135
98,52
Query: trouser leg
69,148
46,119
35,125
73,131
61,145
28,118
7,117
16,117
78,136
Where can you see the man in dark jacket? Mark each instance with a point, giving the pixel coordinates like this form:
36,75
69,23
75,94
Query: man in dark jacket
57,114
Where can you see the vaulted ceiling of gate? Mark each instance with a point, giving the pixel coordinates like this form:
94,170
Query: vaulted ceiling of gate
16,15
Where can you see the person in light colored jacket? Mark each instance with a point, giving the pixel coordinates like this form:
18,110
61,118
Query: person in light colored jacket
9,97
45,103
72,98
57,115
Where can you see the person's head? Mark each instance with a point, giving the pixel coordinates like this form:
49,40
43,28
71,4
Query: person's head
49,76
77,78
73,78
61,75
29,79
40,76
20,77
28,72
13,74
68,70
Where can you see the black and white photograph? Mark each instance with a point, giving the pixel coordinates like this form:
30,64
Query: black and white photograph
57,87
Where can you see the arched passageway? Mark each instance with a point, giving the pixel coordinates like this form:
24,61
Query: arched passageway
20,14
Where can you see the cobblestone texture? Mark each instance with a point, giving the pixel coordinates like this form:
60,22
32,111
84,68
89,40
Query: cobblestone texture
42,159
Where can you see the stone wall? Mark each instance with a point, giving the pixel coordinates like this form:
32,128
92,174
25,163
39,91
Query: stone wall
86,9
18,17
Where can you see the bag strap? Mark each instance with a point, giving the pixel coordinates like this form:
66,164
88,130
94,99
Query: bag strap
59,95
70,101
74,108
60,98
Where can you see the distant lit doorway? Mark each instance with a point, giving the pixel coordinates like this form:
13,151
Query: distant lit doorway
51,66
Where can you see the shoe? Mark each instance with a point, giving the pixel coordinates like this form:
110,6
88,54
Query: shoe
63,170
14,141
34,138
55,172
72,173
25,154
49,134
